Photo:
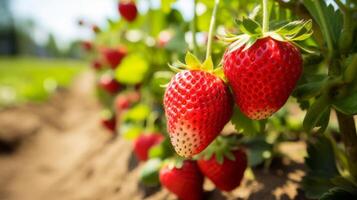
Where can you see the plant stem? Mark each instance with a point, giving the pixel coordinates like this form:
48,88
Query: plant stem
211,29
348,131
325,30
193,29
265,16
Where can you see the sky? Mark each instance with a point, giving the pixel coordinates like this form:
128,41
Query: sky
60,16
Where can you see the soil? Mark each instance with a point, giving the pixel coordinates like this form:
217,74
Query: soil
58,150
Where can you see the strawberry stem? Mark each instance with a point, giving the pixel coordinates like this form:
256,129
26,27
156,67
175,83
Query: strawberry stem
265,17
211,29
193,29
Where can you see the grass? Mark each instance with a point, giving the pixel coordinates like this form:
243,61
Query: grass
34,79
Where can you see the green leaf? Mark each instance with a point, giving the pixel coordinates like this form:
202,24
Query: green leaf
130,131
296,29
322,123
250,27
192,61
308,90
149,174
243,123
345,183
138,113
338,193
132,70
333,17
316,112
321,168
347,105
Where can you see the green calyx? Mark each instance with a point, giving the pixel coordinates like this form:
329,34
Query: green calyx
222,147
193,63
252,31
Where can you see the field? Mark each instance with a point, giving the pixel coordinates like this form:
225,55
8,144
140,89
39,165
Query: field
33,79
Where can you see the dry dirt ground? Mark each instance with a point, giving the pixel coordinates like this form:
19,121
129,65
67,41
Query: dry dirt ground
58,150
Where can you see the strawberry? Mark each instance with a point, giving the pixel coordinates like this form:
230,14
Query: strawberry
96,64
87,45
197,105
124,100
128,10
223,164
184,181
113,56
143,144
263,66
109,84
108,120
263,76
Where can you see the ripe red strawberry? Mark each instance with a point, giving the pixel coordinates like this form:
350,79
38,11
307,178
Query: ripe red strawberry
226,175
109,84
263,76
197,105
114,56
143,144
186,182
96,64
128,10
109,123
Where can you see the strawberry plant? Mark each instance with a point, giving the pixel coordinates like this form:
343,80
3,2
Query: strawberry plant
262,61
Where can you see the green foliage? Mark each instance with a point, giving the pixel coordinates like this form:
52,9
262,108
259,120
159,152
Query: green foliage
132,70
243,124
347,105
332,16
149,174
162,150
321,168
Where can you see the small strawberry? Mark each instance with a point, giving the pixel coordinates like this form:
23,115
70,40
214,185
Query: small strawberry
113,56
197,104
128,10
109,84
185,181
108,120
96,64
87,45
224,166
143,144
124,100
264,66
